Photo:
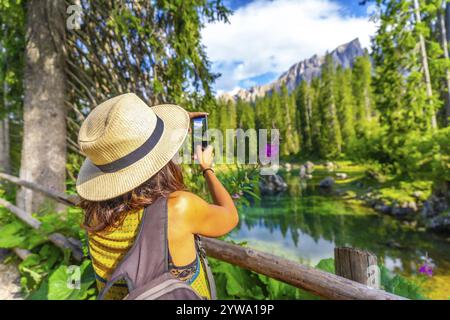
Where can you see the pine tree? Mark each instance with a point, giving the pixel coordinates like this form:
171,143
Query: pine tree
294,146
285,119
401,91
362,92
246,121
213,114
263,113
245,115
435,33
345,106
316,121
275,111
222,119
330,140
304,114
276,115
232,116
420,30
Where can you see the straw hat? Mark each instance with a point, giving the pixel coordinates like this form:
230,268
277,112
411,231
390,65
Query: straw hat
126,142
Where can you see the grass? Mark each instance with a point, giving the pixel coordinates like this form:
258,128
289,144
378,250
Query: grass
388,189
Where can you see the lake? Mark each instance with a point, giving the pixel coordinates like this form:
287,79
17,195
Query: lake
305,225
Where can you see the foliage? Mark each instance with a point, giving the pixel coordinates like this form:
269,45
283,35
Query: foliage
151,48
45,272
406,103
429,155
38,265
330,142
345,105
404,192
363,95
55,286
12,235
326,265
12,46
399,285
242,183
367,147
304,98
236,283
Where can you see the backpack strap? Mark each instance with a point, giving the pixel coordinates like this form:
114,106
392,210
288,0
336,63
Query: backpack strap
204,260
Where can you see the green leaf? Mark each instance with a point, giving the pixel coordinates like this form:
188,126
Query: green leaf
33,240
59,285
11,235
236,283
32,260
326,265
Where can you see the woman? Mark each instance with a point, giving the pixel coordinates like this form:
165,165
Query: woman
129,148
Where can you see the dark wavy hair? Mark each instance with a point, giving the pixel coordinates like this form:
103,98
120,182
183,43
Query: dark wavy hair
102,215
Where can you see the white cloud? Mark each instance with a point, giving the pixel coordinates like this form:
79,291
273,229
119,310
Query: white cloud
269,36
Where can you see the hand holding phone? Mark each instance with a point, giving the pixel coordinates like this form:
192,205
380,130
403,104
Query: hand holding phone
199,130
204,157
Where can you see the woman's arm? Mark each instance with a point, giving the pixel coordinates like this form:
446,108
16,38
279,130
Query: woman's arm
211,220
220,195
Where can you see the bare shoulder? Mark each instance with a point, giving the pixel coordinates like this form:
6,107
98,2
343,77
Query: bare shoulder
185,210
183,202
179,198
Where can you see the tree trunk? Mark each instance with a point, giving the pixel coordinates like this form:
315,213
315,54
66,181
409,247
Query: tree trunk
44,137
426,70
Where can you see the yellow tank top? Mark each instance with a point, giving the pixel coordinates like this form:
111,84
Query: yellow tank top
107,248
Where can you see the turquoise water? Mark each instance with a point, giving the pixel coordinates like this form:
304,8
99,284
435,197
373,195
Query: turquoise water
306,226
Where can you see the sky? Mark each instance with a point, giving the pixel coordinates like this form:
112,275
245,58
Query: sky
265,37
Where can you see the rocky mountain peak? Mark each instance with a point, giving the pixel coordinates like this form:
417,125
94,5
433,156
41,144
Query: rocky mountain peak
305,70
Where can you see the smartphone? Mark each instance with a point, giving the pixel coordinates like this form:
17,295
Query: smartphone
200,132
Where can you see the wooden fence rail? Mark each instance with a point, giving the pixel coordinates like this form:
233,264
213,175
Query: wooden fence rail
324,284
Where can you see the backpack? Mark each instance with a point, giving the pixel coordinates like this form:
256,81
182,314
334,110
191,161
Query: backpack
145,267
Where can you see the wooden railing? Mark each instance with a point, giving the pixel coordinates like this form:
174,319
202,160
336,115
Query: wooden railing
321,283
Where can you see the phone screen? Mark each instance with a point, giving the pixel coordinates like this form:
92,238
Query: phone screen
200,132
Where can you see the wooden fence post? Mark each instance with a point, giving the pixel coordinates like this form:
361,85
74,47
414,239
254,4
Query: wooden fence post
357,265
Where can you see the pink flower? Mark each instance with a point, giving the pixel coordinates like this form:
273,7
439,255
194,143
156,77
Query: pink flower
236,196
426,269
